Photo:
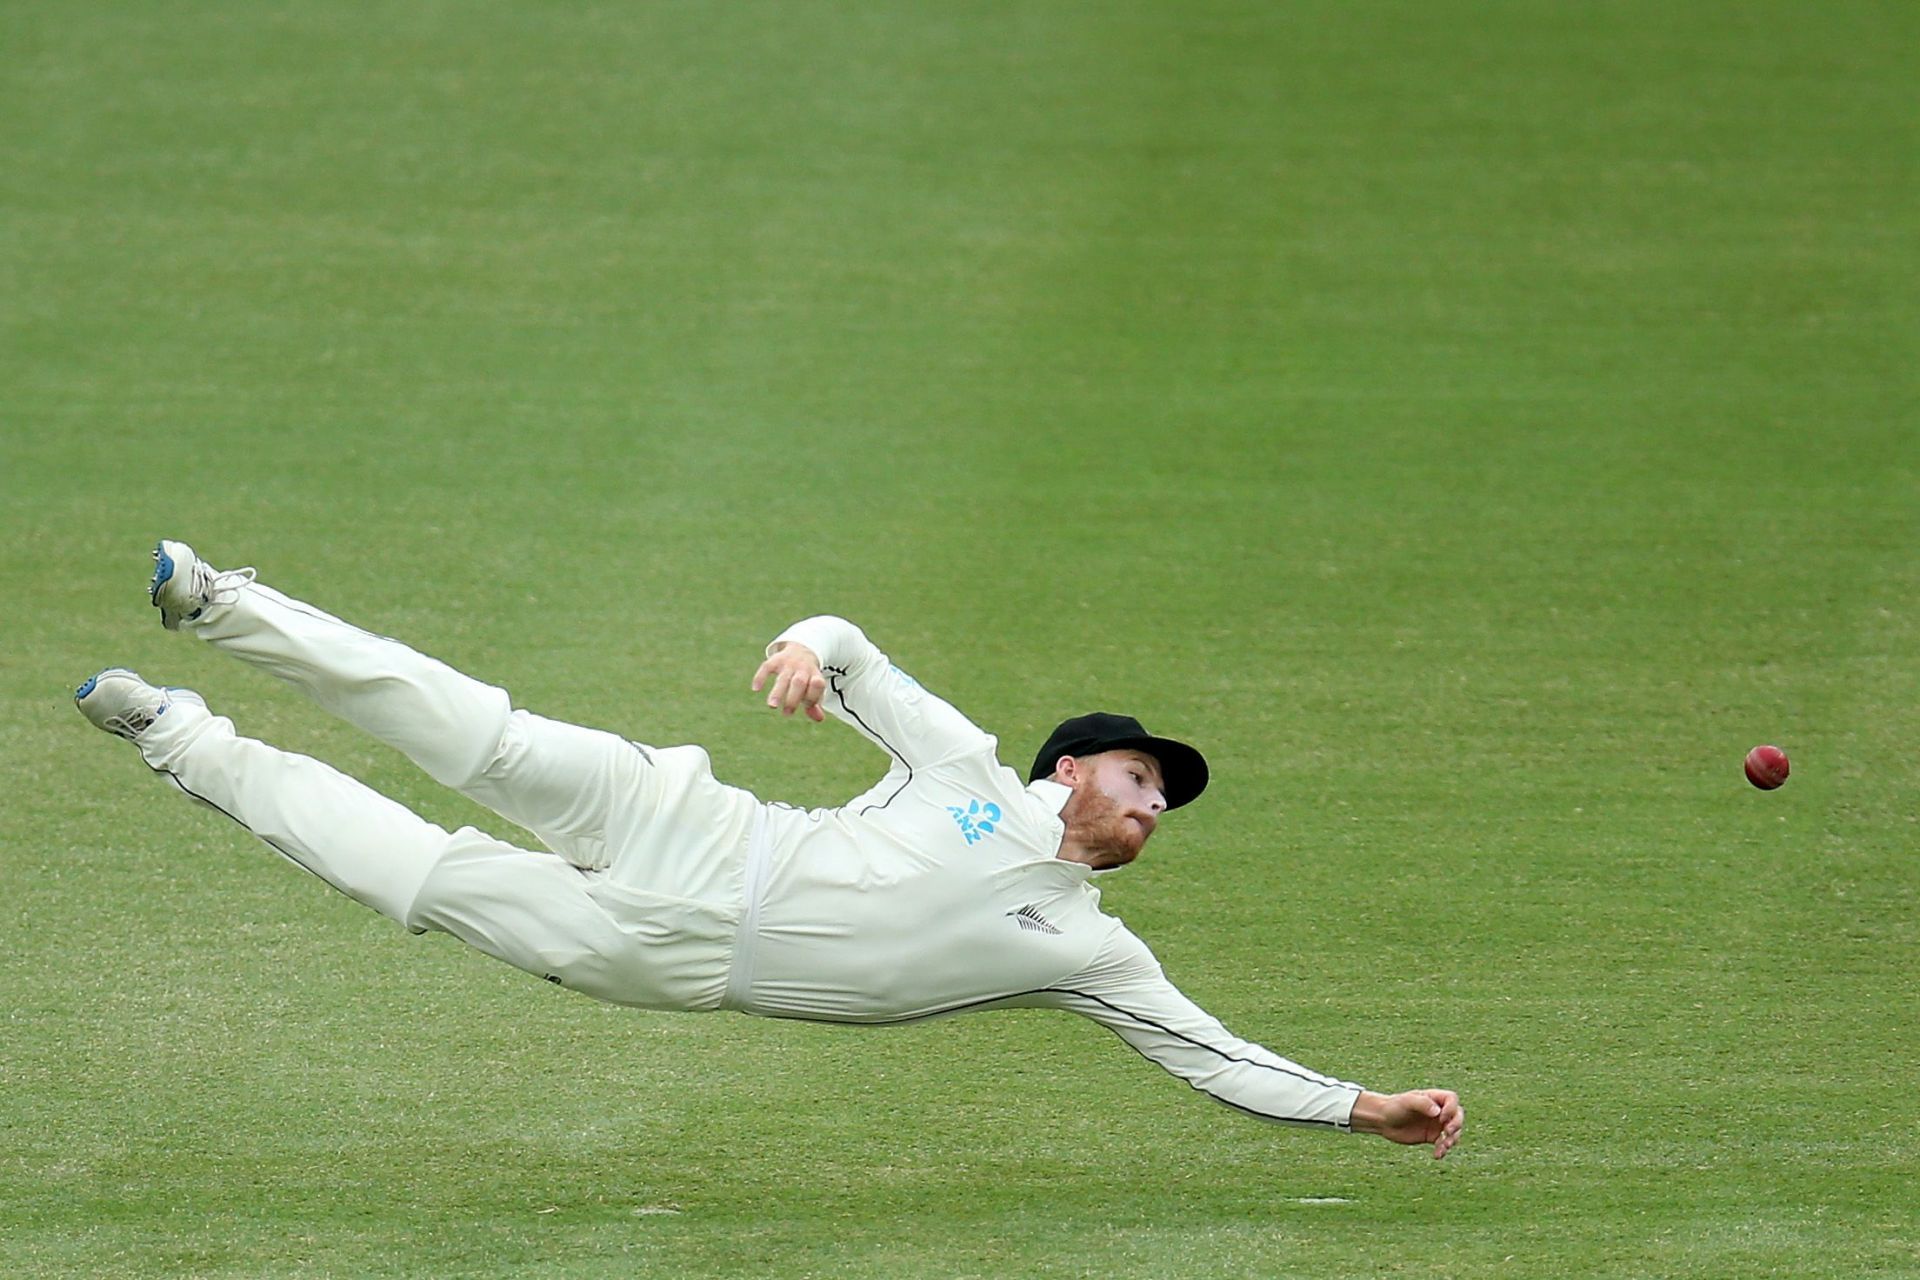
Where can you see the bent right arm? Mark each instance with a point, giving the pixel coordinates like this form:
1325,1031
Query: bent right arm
828,664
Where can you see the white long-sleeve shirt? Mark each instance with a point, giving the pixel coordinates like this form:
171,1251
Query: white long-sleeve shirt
939,890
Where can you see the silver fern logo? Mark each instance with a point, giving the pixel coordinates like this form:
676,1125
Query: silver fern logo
1030,919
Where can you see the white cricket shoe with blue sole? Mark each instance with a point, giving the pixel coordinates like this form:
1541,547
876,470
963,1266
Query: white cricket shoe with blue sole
184,586
120,702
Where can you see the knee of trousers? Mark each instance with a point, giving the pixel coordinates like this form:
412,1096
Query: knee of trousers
543,916
478,737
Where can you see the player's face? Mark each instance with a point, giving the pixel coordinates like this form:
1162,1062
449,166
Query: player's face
1117,801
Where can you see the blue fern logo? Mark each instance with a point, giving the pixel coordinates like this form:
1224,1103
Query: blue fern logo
977,821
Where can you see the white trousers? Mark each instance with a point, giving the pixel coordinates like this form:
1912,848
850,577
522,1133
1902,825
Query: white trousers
636,898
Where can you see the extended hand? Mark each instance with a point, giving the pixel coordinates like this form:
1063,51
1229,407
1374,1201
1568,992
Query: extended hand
1416,1117
797,682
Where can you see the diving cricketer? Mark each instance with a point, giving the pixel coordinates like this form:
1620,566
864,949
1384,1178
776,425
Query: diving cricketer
950,886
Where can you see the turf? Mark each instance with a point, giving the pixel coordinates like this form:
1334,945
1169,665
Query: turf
1475,425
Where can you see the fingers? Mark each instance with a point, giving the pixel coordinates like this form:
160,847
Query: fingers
798,684
784,695
799,690
1452,1119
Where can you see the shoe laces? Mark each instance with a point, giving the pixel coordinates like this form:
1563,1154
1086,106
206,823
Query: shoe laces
132,723
219,586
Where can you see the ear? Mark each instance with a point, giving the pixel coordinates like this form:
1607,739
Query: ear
1067,770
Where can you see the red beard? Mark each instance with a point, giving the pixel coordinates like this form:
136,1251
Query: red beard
1096,823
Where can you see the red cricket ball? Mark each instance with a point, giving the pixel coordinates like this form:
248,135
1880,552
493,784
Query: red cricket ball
1766,767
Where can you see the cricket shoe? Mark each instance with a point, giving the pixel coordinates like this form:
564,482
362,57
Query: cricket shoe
185,586
126,706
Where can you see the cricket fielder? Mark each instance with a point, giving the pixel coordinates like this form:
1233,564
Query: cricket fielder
950,886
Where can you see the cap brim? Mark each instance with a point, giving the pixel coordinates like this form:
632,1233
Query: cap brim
1183,771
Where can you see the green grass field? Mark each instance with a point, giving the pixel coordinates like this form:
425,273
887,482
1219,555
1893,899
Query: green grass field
1475,425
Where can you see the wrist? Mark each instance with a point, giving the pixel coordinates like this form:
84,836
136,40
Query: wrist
1368,1112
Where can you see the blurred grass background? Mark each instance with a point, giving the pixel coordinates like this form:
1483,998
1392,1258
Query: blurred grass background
1474,424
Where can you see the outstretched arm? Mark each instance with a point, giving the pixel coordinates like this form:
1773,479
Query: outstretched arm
1125,991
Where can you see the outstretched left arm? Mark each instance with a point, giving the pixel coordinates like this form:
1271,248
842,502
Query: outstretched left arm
1125,991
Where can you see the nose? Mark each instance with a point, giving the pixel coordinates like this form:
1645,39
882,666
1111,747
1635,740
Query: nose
1156,802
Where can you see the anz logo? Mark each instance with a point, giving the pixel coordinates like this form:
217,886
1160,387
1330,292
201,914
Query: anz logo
977,821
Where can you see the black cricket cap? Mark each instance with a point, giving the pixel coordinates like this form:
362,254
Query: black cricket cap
1183,769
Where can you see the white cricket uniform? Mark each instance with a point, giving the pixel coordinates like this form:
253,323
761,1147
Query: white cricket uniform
937,891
